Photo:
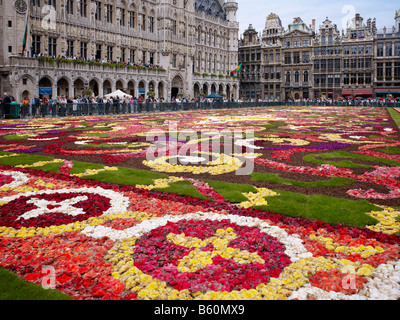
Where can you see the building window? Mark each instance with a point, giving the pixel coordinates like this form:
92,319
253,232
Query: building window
389,50
346,64
379,49
110,52
337,64
306,57
174,27
346,79
52,46
83,50
330,79
353,63
132,56
36,45
360,49
122,17
368,49
353,78
70,49
99,54
316,80
151,24
379,70
109,15
368,78
143,22
397,70
323,79
296,57
132,19
306,76
288,58
360,63
353,49
83,8
70,7
97,13
174,60
287,76
123,55
397,49
346,50
388,70
361,78
316,64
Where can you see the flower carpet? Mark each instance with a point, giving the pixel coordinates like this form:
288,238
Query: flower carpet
317,217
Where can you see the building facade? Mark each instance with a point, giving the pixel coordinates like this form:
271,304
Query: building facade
297,66
271,52
327,61
304,63
165,47
358,56
387,60
250,54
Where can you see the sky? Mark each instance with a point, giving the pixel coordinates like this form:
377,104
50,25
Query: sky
255,12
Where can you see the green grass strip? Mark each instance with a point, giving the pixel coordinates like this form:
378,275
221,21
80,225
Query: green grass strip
312,158
315,207
272,177
395,116
390,150
14,288
324,208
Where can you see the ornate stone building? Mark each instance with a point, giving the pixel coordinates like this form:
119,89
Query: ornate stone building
250,55
327,61
304,63
169,47
272,57
297,67
358,55
387,60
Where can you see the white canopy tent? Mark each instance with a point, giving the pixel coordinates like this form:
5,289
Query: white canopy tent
120,94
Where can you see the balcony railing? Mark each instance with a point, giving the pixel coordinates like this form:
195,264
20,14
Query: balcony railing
92,66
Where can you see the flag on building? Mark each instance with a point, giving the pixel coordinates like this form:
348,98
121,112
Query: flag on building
24,44
237,69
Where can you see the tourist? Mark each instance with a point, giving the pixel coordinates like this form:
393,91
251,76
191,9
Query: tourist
25,107
5,105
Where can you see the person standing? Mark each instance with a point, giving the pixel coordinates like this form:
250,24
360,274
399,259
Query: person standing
5,105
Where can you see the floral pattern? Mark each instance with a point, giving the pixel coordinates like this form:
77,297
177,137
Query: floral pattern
109,241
